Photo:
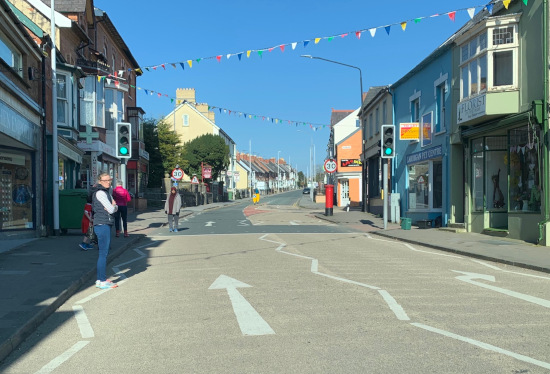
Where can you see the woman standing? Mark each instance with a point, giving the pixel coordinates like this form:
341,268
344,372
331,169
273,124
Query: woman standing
103,206
172,208
122,198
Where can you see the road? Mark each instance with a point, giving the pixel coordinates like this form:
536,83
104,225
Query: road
271,289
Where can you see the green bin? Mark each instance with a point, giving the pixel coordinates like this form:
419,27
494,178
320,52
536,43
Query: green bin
405,223
71,208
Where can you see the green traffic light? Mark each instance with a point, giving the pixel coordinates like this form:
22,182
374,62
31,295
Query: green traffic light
123,150
388,151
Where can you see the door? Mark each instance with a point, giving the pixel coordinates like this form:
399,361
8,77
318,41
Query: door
344,192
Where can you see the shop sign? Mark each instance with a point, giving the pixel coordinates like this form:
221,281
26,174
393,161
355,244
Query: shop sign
10,158
17,126
409,131
471,109
350,162
96,146
426,154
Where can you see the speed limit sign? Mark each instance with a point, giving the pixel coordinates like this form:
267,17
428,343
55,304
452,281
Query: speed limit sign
330,165
177,174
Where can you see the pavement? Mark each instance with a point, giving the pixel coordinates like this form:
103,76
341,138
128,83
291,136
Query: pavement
39,275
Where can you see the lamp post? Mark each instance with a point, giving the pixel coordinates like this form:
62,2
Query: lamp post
278,174
363,127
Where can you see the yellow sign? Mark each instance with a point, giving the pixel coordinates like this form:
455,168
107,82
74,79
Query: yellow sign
409,131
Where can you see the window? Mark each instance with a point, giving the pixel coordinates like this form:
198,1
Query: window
524,160
357,123
426,185
92,102
490,170
62,89
490,65
426,129
114,105
371,125
440,108
10,55
415,110
185,119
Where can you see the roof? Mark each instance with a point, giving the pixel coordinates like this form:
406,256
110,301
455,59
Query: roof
338,115
68,6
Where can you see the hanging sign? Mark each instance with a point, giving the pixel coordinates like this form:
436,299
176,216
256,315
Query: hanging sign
207,172
409,131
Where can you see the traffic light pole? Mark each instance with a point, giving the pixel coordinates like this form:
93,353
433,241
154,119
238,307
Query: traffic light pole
385,187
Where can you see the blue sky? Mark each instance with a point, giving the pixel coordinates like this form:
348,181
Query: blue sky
279,84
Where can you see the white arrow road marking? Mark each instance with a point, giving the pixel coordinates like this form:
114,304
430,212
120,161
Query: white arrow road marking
209,223
469,278
243,222
250,322
486,346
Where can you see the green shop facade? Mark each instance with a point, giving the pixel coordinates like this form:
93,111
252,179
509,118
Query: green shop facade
502,122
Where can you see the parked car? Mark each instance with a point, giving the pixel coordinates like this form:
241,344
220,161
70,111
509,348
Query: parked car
306,191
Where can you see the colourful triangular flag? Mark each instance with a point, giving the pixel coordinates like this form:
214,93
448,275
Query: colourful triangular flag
452,15
306,42
344,35
282,46
317,40
471,12
404,25
190,63
182,66
525,2
260,53
240,55
506,3
417,20
248,53
490,8
330,38
388,29
219,58
358,34
372,32
294,45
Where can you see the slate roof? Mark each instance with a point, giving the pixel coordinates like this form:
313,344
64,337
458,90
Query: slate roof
68,6
338,115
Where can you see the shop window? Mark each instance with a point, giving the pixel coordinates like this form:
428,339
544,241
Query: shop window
490,172
524,160
426,185
16,195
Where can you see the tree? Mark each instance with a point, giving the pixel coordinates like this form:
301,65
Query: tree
208,149
169,147
151,140
301,179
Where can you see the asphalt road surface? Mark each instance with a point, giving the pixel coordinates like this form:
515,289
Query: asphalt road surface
271,289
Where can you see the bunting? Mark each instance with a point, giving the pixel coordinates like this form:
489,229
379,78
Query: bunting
237,113
317,40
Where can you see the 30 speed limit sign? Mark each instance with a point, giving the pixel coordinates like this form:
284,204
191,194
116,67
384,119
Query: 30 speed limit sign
177,174
330,165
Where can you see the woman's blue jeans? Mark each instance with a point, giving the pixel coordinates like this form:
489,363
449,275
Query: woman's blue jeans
103,233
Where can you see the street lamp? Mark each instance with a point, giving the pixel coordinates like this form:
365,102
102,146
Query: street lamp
278,175
363,127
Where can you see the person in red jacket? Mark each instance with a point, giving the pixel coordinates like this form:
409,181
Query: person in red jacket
122,197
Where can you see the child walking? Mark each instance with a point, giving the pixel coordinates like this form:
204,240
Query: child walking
86,219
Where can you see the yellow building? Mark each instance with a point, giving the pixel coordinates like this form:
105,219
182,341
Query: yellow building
190,120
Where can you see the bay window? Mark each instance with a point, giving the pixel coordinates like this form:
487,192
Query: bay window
489,60
92,102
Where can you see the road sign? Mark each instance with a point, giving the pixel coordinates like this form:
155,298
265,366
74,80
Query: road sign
177,174
330,165
194,180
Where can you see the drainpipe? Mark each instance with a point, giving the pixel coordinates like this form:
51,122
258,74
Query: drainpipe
545,66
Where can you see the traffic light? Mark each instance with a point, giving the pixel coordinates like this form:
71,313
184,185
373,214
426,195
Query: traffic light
388,141
123,140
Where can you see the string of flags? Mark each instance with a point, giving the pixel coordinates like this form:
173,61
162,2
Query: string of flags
317,40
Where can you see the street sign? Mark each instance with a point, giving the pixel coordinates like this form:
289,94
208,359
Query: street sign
177,174
194,180
330,165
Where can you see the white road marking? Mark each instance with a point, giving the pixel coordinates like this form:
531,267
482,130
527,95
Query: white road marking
209,223
293,223
394,306
509,271
486,346
411,247
469,278
250,322
59,360
243,222
83,323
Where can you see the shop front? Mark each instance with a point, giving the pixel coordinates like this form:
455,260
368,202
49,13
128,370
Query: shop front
504,178
19,169
424,198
